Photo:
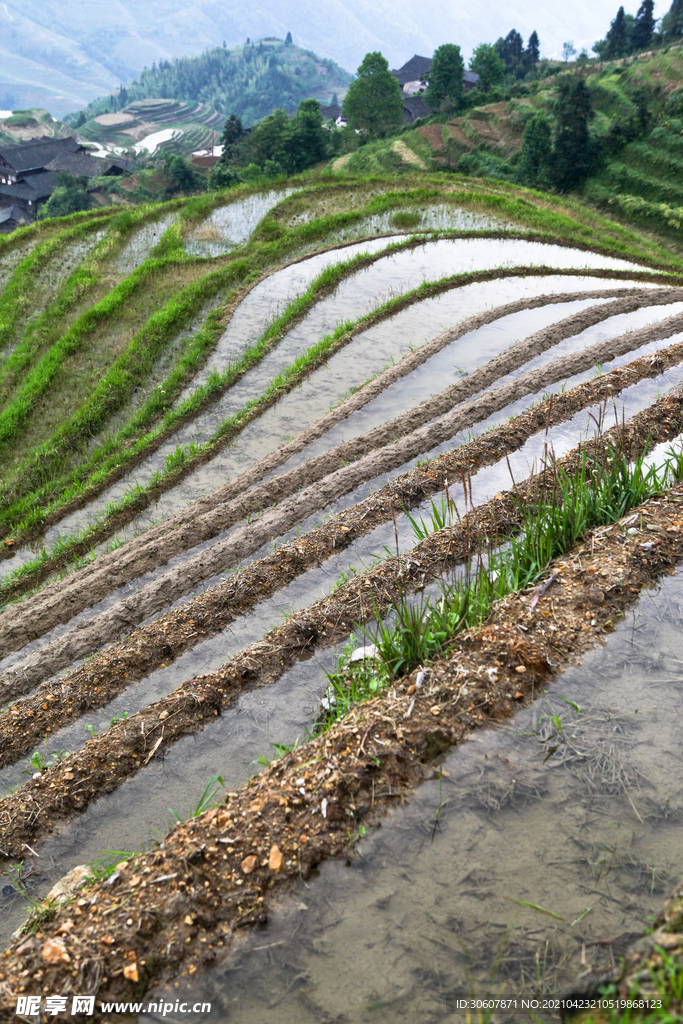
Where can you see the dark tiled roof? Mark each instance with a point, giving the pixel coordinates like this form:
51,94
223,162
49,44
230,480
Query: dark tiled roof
470,76
12,214
413,70
414,107
331,113
30,156
36,186
77,163
118,166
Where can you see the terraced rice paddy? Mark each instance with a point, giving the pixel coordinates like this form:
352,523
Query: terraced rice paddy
197,532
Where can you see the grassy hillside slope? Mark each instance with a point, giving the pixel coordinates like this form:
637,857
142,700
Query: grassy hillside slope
637,127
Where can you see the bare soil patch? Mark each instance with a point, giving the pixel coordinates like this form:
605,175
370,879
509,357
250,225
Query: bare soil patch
432,133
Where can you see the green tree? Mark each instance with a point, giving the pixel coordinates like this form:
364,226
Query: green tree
510,50
288,39
488,65
183,176
534,164
644,25
672,22
271,139
445,89
222,176
70,196
283,145
309,139
532,53
232,131
574,151
373,102
617,42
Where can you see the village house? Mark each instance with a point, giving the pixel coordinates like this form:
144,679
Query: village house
334,113
28,174
412,78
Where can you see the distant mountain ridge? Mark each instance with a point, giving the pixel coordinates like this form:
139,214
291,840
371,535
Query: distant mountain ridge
61,55
250,81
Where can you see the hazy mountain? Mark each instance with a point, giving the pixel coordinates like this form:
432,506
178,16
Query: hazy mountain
61,54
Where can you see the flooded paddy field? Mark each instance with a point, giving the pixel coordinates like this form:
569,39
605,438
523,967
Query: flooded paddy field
535,853
166,690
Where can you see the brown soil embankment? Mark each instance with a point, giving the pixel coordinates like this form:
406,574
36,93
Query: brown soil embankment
246,539
31,812
648,974
176,908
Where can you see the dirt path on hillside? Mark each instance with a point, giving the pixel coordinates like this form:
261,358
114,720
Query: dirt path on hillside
176,907
407,155
240,497
274,522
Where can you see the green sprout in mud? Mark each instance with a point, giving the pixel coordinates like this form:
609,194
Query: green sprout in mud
38,763
551,526
344,577
209,798
605,862
105,865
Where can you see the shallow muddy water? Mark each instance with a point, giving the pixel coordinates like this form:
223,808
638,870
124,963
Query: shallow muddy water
441,217
472,351
267,299
365,289
231,224
138,247
584,824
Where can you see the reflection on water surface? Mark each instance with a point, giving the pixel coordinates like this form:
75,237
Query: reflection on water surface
537,852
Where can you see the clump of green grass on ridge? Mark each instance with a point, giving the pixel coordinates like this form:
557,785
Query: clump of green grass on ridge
552,525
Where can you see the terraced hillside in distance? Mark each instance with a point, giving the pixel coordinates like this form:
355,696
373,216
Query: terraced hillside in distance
154,126
27,125
326,505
